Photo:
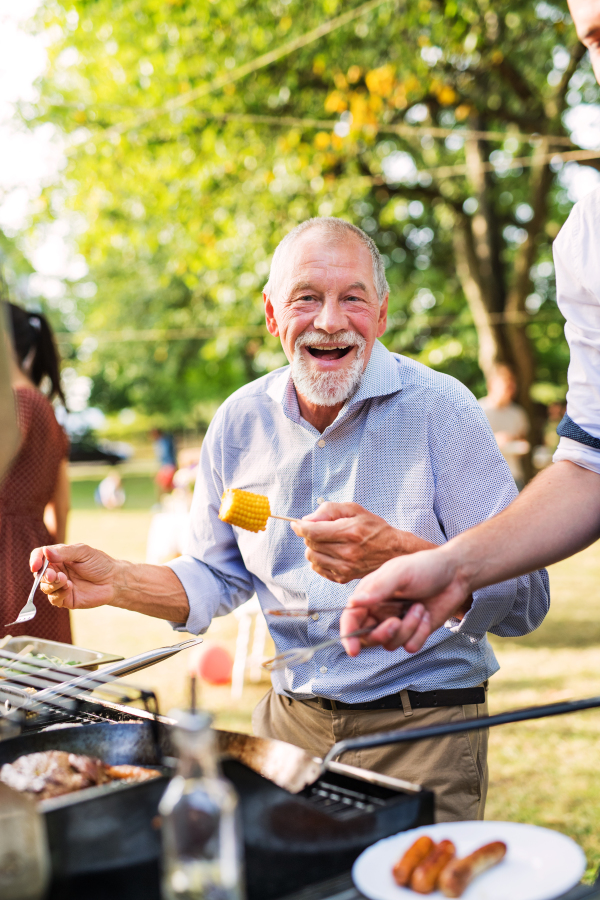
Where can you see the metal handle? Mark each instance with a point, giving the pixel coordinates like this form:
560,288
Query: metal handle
433,731
114,670
149,658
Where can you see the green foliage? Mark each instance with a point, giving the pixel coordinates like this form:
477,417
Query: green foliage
182,211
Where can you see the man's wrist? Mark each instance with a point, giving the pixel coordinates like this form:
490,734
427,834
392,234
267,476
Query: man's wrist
405,543
460,568
122,583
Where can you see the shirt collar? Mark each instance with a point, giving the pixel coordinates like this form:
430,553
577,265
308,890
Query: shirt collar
380,378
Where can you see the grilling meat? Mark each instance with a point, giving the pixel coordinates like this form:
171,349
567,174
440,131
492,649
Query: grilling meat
55,772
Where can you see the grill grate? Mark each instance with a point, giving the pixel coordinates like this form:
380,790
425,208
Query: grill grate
341,802
36,694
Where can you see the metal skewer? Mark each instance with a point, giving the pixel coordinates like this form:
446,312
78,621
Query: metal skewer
297,656
299,613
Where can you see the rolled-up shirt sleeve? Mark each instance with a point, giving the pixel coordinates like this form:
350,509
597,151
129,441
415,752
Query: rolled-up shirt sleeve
212,572
578,298
474,483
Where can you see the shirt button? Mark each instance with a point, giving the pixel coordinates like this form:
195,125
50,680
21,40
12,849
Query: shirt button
315,617
323,669
320,500
321,443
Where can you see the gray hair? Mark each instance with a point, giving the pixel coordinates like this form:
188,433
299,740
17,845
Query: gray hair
336,230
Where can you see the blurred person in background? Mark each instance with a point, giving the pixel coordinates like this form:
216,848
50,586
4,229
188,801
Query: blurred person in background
164,448
34,494
110,493
507,419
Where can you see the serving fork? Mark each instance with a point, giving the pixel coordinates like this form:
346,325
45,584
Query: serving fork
29,610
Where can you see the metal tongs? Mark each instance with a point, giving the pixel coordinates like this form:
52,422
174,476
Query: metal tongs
29,610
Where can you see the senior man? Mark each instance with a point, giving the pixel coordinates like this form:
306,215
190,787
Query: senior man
394,458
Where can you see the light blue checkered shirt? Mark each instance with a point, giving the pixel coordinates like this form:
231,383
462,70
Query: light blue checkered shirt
412,446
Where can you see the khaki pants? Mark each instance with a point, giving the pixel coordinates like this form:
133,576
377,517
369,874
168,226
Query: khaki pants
454,767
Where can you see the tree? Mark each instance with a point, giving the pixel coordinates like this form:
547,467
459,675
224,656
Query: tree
408,121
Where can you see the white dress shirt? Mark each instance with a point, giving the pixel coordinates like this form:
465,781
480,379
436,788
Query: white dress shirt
413,446
577,265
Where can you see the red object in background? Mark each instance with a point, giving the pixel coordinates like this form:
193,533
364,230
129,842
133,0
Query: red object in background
215,666
164,478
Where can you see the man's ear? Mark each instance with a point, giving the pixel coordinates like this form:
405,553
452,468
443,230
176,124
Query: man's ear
383,311
272,326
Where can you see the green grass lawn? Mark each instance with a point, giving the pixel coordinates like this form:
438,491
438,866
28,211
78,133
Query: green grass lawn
140,492
542,772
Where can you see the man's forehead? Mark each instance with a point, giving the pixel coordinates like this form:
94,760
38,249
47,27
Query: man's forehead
316,251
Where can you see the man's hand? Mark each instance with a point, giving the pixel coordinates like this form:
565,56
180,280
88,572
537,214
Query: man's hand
423,575
80,577
345,542
77,577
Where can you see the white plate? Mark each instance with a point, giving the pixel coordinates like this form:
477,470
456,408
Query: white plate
539,864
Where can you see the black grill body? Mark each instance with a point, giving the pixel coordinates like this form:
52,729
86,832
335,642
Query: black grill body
292,840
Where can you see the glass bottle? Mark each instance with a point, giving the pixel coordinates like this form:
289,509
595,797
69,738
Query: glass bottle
202,846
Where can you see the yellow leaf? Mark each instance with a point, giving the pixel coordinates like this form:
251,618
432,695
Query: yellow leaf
322,139
399,97
319,65
285,24
337,142
497,57
354,73
381,81
461,112
447,95
335,103
340,81
412,84
361,114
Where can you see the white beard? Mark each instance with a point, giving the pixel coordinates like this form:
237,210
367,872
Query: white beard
327,388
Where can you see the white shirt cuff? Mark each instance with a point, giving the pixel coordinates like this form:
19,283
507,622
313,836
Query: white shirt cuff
577,453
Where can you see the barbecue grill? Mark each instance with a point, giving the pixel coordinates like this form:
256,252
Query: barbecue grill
293,839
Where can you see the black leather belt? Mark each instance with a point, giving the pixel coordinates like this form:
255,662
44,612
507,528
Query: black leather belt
418,700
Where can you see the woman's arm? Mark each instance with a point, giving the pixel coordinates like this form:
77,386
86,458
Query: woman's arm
56,512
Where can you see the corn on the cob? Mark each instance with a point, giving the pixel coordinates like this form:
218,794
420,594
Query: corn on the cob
246,510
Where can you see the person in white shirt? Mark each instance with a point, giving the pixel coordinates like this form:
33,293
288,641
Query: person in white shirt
507,420
556,515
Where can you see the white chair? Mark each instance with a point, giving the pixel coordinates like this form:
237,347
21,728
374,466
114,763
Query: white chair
247,614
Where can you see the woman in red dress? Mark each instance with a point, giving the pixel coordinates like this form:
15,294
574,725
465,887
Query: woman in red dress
34,494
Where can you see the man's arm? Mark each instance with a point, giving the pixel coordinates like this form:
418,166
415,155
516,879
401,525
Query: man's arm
557,515
80,577
189,591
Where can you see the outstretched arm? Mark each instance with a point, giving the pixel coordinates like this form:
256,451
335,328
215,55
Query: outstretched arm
79,577
557,515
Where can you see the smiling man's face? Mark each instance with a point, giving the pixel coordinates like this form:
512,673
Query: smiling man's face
327,314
